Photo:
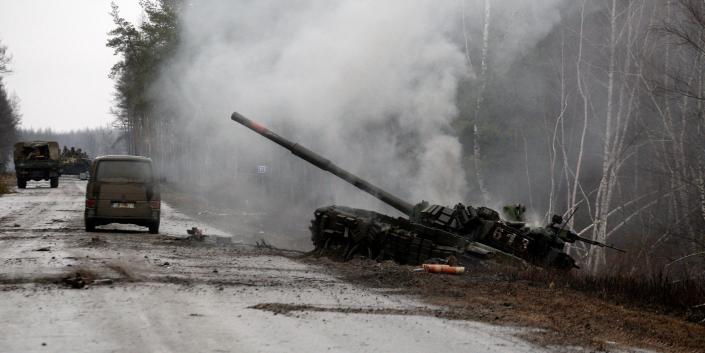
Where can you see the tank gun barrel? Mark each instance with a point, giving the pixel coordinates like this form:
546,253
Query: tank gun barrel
593,242
323,163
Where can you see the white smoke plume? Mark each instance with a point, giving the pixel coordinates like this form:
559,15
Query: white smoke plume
371,85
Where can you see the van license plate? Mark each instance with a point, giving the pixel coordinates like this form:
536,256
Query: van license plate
123,205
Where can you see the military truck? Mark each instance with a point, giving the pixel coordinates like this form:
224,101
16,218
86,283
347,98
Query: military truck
37,160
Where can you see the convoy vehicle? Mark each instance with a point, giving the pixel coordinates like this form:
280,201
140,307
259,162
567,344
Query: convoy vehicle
74,161
37,160
122,189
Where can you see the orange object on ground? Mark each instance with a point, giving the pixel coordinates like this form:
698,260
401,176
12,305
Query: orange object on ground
433,268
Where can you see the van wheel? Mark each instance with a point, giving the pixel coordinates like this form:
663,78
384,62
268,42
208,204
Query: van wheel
90,226
21,183
154,228
54,182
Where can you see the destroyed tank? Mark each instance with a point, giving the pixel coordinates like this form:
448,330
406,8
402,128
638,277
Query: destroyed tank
430,231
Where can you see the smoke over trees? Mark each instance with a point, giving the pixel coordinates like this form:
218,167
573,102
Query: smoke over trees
555,104
9,113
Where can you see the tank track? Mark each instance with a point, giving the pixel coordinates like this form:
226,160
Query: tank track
342,232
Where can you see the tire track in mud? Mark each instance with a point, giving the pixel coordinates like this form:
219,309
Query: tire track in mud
31,219
40,207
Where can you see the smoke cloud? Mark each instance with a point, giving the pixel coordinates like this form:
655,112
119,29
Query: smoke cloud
371,85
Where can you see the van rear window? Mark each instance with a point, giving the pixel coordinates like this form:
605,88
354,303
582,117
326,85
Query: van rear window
124,172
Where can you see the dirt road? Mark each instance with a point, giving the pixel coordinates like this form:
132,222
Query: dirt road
162,293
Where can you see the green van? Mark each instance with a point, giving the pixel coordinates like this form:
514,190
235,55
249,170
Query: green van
122,189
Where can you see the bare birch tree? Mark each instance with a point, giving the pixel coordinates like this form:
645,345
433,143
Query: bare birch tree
477,156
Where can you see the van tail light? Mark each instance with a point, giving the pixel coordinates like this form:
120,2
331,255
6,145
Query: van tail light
155,204
90,203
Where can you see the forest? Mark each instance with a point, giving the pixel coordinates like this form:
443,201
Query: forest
94,141
9,111
592,106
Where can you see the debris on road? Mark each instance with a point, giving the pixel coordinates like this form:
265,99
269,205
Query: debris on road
211,213
262,244
83,278
46,248
96,240
103,281
76,280
195,234
435,268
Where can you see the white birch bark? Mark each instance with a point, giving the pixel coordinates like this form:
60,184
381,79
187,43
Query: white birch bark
477,156
597,255
583,96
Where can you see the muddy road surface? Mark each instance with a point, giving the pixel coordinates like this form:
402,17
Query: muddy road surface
121,289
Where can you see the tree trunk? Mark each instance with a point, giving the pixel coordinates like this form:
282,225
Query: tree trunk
602,200
477,157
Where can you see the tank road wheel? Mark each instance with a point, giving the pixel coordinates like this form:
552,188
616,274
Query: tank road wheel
154,228
344,232
21,183
54,182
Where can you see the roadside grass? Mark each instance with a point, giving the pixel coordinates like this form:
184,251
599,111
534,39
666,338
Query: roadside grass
6,182
684,298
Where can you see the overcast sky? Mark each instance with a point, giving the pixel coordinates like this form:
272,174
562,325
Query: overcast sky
60,61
